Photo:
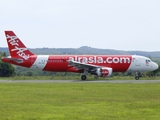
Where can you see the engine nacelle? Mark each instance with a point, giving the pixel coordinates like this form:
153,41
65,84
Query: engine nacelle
104,72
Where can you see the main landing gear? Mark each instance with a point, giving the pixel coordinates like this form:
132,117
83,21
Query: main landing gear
137,75
83,77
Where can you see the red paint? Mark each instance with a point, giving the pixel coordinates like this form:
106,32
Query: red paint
104,72
18,51
62,65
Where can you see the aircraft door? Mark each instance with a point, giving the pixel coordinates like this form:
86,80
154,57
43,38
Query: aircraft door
137,61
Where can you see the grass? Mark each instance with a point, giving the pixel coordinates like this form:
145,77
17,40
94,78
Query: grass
79,101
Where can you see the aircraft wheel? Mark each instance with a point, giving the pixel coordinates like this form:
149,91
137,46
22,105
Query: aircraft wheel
137,77
83,77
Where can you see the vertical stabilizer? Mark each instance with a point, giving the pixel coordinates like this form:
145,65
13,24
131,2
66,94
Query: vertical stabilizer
16,47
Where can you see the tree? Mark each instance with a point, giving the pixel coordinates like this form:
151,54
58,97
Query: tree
6,69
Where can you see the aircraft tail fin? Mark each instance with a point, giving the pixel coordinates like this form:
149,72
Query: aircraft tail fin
16,47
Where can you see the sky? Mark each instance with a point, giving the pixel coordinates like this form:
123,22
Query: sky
106,24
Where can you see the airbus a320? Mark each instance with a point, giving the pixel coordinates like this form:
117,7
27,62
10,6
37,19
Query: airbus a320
99,65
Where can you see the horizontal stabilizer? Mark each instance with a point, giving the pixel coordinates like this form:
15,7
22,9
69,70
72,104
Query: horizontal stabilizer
17,60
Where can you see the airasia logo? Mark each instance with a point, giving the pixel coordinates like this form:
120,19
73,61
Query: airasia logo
20,51
104,72
98,59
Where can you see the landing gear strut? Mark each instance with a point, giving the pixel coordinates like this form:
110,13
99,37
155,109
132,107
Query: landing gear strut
137,76
83,77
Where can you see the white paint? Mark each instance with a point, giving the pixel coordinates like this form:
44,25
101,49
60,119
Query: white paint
96,59
39,64
142,66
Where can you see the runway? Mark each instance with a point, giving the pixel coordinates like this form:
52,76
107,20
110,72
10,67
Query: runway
79,81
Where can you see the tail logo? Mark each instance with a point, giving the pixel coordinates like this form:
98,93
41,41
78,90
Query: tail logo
13,41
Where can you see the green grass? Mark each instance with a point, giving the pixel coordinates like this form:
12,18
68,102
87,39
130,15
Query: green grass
79,101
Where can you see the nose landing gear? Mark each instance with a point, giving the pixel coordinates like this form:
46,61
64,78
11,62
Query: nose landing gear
137,75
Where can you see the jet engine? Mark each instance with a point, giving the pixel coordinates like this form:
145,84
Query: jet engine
104,72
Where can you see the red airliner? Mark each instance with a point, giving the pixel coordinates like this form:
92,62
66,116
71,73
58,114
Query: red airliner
99,65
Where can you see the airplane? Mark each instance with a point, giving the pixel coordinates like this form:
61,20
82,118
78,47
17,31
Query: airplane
99,65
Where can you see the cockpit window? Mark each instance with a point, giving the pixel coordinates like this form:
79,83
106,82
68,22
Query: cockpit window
148,60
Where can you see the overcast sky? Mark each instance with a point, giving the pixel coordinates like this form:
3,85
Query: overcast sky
106,24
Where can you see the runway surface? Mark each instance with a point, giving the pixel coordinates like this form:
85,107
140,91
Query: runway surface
79,81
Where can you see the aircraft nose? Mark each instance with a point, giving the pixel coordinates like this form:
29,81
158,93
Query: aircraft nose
155,66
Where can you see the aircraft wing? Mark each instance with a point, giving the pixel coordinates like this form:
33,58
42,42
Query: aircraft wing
82,66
